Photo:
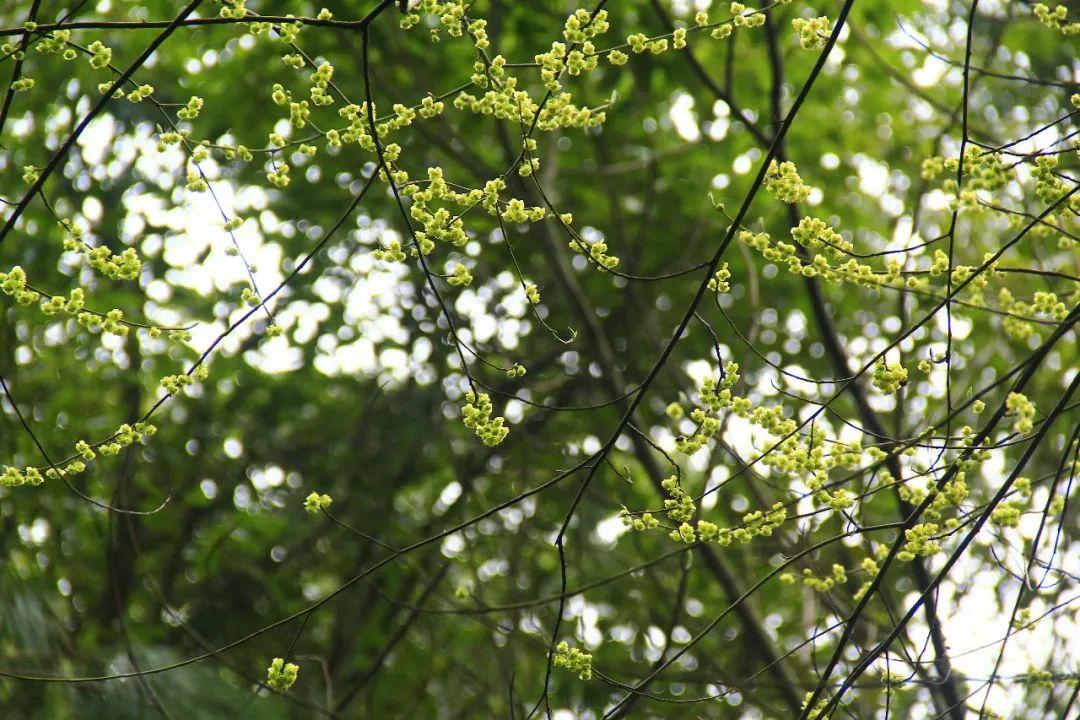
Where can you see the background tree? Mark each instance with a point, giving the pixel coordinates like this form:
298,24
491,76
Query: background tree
643,358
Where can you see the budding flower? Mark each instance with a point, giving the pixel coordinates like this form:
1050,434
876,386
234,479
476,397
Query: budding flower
280,675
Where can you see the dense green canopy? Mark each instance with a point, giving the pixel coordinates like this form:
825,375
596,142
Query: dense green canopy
644,358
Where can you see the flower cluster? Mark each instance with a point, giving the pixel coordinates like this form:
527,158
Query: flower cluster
191,110
746,18
714,397
638,43
140,93
280,676
815,234
754,524
519,108
1047,303
516,212
195,182
54,43
123,266
825,584
174,384
1019,405
574,660
871,567
13,477
558,60
812,33
451,16
595,251
783,182
100,55
983,170
921,542
314,503
234,10
836,265
679,505
889,378
646,521
1056,19
15,285
391,253
532,294
125,436
429,108
719,281
1007,514
581,26
758,523
320,81
1015,324
1049,187
461,276
477,416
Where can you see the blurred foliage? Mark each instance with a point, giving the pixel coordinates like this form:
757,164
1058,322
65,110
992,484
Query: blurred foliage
360,397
